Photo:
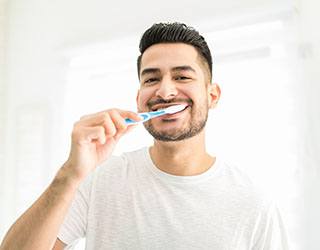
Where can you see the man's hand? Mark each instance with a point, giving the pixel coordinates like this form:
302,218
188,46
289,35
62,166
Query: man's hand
94,138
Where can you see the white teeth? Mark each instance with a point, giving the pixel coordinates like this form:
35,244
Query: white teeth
163,108
168,107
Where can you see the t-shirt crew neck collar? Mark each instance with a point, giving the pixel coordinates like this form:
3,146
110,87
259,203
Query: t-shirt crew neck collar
176,178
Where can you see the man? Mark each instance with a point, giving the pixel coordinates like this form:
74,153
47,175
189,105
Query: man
173,195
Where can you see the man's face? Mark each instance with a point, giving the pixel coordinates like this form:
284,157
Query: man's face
172,73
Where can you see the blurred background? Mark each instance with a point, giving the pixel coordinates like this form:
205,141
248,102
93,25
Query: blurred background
61,59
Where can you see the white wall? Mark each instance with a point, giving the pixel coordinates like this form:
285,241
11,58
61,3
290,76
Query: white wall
3,18
3,97
310,122
38,34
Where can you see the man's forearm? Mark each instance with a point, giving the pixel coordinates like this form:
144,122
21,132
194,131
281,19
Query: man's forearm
38,227
93,139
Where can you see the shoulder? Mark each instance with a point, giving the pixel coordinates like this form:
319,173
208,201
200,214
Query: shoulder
260,208
243,188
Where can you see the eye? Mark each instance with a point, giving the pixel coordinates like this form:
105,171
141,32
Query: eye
150,80
182,78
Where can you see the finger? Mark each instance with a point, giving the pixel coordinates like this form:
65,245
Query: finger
130,115
110,128
118,121
98,118
94,119
128,130
102,119
89,134
88,116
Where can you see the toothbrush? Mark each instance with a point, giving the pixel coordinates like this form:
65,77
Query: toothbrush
149,115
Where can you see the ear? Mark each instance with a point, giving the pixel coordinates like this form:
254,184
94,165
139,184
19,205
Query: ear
214,93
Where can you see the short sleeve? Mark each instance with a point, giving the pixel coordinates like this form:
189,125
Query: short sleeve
74,226
271,233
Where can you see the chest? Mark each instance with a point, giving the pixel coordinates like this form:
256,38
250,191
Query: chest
164,217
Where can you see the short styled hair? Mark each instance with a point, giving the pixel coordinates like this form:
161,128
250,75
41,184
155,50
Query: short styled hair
175,33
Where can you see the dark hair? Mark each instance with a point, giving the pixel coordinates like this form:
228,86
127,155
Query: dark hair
175,33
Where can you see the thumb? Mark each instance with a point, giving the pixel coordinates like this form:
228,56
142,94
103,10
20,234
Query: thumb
129,129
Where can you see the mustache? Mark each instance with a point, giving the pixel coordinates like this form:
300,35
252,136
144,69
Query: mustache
162,101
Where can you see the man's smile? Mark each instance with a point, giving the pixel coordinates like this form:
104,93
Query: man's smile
166,105
175,115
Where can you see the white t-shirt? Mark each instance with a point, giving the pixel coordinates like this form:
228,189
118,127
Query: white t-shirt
128,203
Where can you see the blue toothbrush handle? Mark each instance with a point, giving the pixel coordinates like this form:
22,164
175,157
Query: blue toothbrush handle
145,116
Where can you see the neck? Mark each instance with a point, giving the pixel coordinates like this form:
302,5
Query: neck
185,158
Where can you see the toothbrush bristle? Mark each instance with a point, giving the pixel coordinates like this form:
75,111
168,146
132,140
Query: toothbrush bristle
175,108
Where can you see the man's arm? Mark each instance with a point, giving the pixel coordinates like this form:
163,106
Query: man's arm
93,140
38,227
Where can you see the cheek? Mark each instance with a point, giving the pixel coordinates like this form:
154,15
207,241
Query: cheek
199,98
144,96
193,93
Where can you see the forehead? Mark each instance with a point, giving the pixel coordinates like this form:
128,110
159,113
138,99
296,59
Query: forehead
169,55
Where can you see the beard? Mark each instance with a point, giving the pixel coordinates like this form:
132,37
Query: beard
198,120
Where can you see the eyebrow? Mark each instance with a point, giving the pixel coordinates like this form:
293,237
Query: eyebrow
150,71
174,69
183,68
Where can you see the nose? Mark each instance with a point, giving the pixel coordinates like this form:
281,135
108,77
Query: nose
167,89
